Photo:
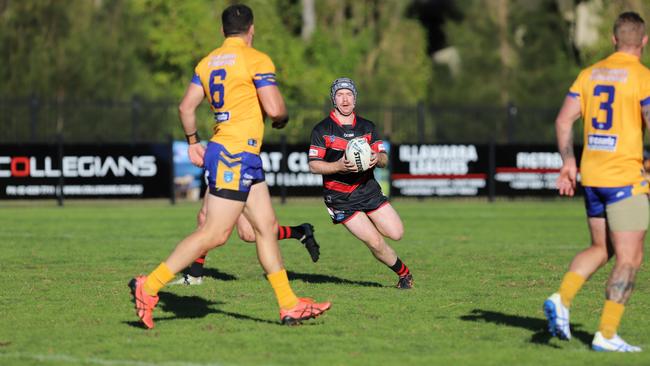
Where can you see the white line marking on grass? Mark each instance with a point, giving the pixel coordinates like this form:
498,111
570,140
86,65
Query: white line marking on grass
99,361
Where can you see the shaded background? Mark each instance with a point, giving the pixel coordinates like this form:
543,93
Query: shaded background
430,71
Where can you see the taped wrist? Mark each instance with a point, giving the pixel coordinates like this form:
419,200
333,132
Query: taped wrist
193,138
283,121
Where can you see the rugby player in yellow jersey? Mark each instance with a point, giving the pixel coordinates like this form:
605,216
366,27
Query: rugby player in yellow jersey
239,83
613,98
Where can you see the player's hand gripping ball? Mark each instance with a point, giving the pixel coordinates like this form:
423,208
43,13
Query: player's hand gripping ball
358,151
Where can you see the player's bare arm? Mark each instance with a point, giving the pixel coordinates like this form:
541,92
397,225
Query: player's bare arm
326,168
568,114
187,112
273,105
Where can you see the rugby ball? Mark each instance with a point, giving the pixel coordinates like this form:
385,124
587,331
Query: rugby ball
358,151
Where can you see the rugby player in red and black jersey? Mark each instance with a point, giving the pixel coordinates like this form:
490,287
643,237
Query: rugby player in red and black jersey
354,198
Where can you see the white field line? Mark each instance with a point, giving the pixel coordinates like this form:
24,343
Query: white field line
97,361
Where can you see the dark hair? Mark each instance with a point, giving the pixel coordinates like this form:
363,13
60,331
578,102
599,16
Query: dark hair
629,29
236,19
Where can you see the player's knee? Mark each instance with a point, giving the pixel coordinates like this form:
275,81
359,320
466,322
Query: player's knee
269,229
275,227
633,261
217,240
200,218
600,250
246,235
396,233
211,239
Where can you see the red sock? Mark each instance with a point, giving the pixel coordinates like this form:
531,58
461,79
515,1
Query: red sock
284,232
400,268
290,232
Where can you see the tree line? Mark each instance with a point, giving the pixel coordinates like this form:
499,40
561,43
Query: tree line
444,52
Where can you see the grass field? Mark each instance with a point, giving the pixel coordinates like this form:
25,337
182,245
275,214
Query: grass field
482,272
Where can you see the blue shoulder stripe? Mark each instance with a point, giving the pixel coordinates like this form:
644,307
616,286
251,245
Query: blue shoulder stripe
573,95
262,80
645,102
196,80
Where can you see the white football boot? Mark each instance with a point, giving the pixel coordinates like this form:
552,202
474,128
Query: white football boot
188,280
615,344
558,317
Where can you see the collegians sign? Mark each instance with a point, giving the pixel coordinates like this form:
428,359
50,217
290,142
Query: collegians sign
77,166
85,170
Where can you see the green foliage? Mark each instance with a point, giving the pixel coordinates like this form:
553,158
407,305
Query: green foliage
70,49
480,78
546,63
178,35
397,70
116,49
543,61
519,51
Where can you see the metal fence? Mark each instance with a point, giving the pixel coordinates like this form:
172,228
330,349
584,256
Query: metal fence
38,120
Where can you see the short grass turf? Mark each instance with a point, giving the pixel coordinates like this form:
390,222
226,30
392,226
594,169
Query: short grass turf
482,271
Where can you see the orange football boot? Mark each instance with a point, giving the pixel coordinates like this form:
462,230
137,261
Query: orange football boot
144,303
305,309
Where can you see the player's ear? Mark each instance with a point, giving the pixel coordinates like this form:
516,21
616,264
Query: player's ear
224,34
614,40
644,41
251,35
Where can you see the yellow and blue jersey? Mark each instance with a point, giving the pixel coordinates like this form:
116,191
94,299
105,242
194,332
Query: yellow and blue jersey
611,94
230,76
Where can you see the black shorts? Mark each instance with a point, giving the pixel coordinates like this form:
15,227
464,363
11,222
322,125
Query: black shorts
341,214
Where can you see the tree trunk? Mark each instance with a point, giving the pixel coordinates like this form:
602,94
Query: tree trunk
308,19
505,51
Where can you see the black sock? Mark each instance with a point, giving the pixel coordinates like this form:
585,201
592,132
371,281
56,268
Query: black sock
400,268
290,232
196,269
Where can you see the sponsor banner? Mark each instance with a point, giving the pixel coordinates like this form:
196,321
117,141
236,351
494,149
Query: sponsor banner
85,171
382,175
290,171
188,178
528,170
439,170
296,177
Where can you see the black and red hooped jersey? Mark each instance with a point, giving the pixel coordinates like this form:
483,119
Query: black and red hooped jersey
329,138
